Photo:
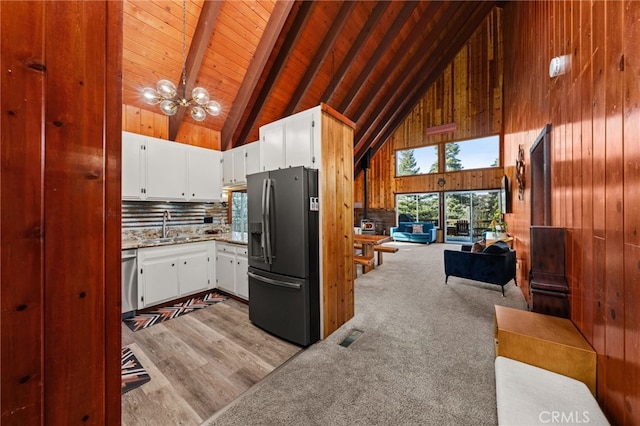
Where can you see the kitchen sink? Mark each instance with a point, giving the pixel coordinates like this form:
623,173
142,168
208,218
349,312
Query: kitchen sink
181,239
159,240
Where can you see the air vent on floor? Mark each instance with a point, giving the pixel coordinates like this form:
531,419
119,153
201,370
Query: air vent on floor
351,337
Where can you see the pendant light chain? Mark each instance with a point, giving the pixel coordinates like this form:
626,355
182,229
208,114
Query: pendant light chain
184,49
166,93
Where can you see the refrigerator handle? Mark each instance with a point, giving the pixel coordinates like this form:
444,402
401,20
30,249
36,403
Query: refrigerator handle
263,244
267,216
271,281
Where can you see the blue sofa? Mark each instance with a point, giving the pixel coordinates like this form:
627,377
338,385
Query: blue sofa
495,265
404,232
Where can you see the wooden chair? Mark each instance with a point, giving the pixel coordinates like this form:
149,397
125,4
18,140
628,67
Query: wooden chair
462,227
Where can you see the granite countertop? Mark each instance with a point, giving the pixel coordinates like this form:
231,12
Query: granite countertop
132,242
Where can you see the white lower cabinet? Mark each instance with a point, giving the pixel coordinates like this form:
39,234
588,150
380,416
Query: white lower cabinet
158,277
242,265
231,269
225,268
193,274
169,272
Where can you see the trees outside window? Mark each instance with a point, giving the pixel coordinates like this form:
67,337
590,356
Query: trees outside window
239,211
461,155
416,160
422,207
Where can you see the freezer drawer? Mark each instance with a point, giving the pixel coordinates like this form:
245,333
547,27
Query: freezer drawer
282,306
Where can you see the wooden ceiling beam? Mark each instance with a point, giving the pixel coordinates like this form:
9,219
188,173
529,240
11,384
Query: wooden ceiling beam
321,54
355,49
294,33
256,68
380,51
438,31
197,49
395,61
431,71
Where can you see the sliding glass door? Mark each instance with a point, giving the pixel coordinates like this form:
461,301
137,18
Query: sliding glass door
468,214
457,207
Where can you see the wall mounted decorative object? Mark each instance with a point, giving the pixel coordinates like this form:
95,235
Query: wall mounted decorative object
520,172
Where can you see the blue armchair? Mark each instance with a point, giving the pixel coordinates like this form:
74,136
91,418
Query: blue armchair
495,265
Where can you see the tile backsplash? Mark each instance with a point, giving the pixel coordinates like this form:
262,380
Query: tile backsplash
186,218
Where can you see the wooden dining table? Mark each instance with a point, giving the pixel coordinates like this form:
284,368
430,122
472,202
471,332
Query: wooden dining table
368,241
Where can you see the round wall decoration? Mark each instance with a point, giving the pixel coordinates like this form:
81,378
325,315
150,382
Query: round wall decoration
520,172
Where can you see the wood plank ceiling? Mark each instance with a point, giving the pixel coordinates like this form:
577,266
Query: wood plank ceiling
264,60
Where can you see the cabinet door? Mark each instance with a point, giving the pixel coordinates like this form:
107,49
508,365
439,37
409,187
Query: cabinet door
299,140
272,146
204,174
239,159
225,269
159,276
166,170
193,273
227,167
133,166
242,265
252,158
211,261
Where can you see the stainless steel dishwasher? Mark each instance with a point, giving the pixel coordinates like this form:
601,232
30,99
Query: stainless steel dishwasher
129,283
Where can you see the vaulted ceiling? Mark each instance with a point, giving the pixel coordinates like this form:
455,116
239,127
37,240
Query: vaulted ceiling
264,60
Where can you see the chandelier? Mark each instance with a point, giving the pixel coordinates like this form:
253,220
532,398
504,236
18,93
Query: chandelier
166,93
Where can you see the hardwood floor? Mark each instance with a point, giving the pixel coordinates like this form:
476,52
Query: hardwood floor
198,364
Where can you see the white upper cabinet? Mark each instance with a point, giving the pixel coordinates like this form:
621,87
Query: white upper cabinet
133,166
227,167
292,141
272,146
166,170
298,140
156,169
204,178
252,158
239,162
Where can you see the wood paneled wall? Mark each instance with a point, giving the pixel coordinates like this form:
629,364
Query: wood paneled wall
336,220
144,122
594,111
60,217
467,94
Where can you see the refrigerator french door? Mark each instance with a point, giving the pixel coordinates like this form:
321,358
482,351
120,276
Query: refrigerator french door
283,253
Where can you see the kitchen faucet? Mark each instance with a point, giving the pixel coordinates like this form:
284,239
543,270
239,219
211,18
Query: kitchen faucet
166,215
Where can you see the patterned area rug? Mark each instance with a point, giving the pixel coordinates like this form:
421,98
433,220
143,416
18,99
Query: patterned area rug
133,374
169,312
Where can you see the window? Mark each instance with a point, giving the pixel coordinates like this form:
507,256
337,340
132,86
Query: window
472,154
239,211
419,207
462,155
417,161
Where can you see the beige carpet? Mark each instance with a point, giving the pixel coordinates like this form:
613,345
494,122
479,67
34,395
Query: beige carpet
425,358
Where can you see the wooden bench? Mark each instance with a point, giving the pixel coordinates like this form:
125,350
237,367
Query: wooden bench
362,260
379,249
384,249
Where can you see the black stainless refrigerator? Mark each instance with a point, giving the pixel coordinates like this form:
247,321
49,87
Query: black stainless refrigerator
283,253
